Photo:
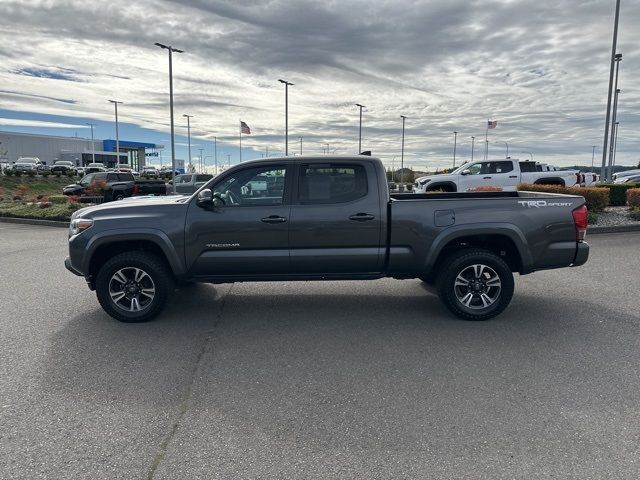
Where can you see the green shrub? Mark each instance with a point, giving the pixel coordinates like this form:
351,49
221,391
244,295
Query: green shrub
45,204
17,173
9,172
596,198
592,218
31,173
70,173
618,192
59,199
46,173
633,197
58,174
635,213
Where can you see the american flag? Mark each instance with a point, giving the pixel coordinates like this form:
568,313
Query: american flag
492,124
244,128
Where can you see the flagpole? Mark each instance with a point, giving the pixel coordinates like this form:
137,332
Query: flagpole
240,124
486,142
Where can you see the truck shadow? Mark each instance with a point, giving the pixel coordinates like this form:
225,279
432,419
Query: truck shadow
99,359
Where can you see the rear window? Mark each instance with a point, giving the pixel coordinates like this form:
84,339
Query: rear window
324,183
125,177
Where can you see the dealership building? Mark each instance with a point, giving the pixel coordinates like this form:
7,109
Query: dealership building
80,151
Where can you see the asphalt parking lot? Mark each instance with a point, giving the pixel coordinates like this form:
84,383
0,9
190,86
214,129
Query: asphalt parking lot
319,380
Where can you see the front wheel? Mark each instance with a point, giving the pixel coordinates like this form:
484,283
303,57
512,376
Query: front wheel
133,286
475,284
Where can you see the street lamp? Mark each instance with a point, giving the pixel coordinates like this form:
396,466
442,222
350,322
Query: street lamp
455,144
613,56
614,119
326,152
473,144
529,153
215,153
173,144
93,148
286,116
300,145
115,104
502,141
593,155
189,117
616,126
360,129
201,160
402,152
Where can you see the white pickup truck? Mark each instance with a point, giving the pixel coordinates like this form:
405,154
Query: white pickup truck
505,174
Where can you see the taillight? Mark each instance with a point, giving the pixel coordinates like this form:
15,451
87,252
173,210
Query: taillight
136,189
580,219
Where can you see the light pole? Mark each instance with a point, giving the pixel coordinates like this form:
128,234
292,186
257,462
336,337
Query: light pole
502,141
326,152
616,126
93,148
215,153
455,144
300,146
115,104
402,152
189,117
593,155
360,129
529,153
613,55
173,143
473,144
229,158
201,160
286,116
614,117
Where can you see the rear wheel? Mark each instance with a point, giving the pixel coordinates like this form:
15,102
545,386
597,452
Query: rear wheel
133,286
118,195
475,284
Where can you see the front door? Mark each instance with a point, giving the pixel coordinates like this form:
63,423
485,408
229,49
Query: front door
336,219
248,235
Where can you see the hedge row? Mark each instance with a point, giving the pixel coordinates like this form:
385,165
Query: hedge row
633,197
597,198
618,192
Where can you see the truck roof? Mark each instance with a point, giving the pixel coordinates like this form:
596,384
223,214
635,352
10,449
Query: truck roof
313,158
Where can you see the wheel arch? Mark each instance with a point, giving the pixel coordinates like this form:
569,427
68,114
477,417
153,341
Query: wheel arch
506,241
449,186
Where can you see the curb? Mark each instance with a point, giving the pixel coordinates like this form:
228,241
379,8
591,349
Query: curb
33,221
613,229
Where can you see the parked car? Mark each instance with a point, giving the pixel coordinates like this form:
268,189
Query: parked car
505,174
80,171
626,173
188,183
150,171
95,168
64,167
115,186
334,220
628,179
27,164
166,172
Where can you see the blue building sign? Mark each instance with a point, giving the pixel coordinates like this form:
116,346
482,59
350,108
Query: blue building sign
110,145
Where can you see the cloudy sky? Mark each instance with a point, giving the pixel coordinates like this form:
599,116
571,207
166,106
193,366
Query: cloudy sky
540,68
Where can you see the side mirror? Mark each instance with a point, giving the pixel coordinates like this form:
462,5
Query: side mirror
205,198
465,172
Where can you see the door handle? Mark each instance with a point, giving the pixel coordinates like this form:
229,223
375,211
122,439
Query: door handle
486,178
361,217
274,219
513,176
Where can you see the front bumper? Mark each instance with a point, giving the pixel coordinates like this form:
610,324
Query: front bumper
68,266
582,254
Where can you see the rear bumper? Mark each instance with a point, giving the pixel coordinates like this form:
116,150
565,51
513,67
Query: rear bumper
582,254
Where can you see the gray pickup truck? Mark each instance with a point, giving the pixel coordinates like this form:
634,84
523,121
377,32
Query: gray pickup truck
322,218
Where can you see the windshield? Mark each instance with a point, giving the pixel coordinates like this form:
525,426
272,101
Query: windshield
26,160
87,179
63,163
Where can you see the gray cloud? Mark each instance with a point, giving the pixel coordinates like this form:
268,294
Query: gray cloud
540,68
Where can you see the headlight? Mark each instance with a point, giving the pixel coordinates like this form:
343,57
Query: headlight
79,225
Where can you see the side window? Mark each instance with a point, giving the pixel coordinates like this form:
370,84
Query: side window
125,177
527,167
112,177
184,179
501,167
475,169
323,184
203,178
100,177
253,186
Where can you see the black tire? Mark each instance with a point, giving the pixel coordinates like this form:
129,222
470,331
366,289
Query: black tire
159,280
118,195
470,302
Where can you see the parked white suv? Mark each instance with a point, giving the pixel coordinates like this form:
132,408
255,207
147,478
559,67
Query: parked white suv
505,174
28,163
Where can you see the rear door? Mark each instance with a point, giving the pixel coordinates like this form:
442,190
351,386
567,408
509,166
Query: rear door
246,236
336,219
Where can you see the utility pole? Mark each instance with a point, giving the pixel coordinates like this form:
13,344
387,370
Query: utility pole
360,130
617,58
402,152
215,153
455,144
189,117
115,104
173,143
593,156
300,146
201,160
286,116
93,148
606,125
473,144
